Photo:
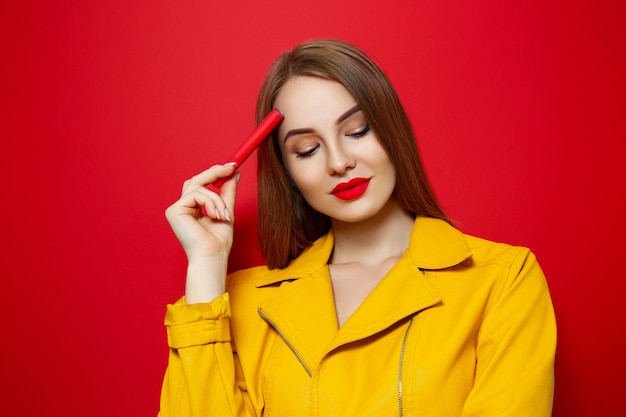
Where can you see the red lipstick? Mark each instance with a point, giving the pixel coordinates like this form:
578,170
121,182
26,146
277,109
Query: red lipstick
352,189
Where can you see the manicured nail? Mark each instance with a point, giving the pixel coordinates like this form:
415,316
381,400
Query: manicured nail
227,215
237,176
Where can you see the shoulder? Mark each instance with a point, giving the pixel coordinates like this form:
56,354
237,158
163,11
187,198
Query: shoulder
245,294
246,280
487,252
438,245
259,282
506,268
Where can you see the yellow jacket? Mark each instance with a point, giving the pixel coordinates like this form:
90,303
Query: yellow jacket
459,327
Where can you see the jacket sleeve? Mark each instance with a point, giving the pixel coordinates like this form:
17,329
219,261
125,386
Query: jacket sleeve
201,378
516,346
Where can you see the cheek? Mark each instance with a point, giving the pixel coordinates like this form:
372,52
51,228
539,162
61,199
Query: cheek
303,179
309,182
305,173
383,165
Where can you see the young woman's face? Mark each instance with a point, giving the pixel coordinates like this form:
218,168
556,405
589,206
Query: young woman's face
330,152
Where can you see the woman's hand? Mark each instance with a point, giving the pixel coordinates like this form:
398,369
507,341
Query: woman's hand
205,238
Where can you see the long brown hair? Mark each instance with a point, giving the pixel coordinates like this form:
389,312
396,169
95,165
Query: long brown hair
287,223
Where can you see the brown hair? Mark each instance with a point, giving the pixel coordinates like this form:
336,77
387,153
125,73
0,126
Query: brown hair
287,224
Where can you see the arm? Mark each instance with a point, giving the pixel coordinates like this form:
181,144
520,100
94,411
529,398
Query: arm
516,347
201,376
201,379
203,224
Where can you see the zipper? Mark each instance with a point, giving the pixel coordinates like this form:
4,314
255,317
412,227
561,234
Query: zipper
282,336
400,387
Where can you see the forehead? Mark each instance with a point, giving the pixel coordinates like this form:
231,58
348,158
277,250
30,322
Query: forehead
311,98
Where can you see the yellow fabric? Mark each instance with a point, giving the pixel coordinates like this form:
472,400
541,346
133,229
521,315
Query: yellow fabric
459,327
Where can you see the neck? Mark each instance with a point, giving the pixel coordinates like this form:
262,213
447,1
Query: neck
375,240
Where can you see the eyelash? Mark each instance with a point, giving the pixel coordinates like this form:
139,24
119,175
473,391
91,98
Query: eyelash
308,153
357,135
361,132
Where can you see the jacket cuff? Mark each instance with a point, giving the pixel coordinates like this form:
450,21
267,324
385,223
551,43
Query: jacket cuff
198,324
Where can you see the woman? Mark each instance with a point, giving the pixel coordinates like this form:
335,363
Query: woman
371,303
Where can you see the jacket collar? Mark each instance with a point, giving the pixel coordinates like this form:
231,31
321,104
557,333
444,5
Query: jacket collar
304,313
434,244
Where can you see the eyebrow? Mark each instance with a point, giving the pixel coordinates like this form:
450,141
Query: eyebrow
340,119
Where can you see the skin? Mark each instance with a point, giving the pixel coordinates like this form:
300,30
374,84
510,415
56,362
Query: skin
320,153
325,140
206,240
372,231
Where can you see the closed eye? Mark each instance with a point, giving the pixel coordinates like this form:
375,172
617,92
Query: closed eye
307,153
361,133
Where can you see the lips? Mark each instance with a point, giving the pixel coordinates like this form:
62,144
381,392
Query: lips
352,189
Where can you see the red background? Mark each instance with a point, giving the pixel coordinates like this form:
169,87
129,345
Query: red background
108,106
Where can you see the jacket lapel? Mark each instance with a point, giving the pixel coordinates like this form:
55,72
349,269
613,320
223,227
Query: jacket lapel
303,314
303,311
406,290
403,292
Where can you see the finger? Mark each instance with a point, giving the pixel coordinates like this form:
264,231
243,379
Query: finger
185,186
214,206
195,200
228,193
203,201
210,175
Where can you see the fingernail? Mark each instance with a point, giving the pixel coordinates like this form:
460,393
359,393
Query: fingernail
227,215
227,164
237,176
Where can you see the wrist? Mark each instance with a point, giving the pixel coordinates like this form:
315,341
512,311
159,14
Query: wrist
205,279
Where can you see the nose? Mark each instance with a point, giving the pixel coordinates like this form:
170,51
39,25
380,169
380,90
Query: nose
339,160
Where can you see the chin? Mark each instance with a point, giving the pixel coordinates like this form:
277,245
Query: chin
355,216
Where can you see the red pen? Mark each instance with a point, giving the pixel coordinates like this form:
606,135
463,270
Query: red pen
242,153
